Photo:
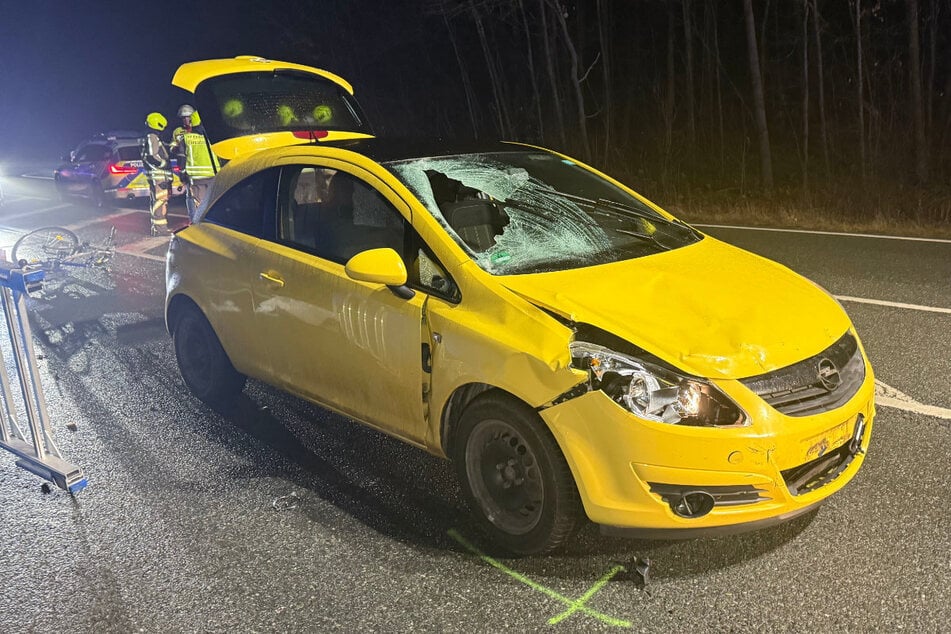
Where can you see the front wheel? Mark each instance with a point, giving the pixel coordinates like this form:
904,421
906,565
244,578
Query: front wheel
45,247
204,364
514,475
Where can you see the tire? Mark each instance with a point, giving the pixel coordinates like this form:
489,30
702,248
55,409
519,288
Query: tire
62,191
203,363
514,475
97,197
44,246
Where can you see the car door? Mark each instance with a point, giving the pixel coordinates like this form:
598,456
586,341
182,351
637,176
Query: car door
222,250
354,346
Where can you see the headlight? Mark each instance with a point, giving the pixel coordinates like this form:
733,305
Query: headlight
654,392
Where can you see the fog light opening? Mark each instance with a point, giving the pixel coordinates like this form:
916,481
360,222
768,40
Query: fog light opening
855,446
692,504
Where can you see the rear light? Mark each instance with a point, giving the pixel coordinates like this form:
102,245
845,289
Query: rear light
119,168
310,135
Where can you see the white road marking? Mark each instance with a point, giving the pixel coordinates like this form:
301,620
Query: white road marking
36,211
94,221
882,302
138,249
824,233
890,397
12,198
37,177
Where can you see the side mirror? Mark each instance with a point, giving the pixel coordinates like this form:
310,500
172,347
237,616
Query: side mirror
380,266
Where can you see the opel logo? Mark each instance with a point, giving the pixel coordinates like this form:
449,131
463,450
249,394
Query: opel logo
829,374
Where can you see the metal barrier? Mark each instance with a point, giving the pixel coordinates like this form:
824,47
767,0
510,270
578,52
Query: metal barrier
40,456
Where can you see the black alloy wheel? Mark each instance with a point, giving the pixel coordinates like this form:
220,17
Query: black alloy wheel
515,475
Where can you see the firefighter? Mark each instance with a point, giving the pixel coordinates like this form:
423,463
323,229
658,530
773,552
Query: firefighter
158,171
198,164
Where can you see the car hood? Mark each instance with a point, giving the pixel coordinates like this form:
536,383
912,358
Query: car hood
710,309
255,123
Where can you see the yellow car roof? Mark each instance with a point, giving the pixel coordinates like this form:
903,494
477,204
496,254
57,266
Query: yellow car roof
190,74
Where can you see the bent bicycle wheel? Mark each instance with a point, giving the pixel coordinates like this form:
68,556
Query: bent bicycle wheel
45,247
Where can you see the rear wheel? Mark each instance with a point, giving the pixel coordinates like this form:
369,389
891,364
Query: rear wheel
62,191
202,361
515,476
97,197
44,246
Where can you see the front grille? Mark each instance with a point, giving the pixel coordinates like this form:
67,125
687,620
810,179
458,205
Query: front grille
722,495
799,390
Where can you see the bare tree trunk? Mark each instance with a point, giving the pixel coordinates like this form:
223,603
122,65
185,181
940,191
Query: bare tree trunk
495,80
576,81
716,50
932,61
536,94
823,131
688,54
860,87
552,77
914,69
606,67
466,83
671,91
764,22
762,131
805,95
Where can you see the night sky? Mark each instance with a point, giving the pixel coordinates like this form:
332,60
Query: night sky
617,83
69,69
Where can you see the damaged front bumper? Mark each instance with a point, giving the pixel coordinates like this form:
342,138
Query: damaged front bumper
650,479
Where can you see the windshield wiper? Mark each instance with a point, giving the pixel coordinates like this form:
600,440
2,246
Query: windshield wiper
646,237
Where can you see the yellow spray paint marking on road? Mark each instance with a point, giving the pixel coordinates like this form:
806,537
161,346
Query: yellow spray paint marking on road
577,605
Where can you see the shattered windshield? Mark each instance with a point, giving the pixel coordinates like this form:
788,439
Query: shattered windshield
531,212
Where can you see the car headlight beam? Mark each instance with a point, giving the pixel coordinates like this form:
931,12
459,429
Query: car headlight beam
653,392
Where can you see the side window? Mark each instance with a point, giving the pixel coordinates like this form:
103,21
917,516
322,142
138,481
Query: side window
93,152
336,215
249,206
303,191
129,153
428,275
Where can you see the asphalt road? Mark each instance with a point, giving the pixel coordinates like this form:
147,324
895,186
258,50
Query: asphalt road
276,515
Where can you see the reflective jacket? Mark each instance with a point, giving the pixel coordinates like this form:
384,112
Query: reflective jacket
155,158
195,155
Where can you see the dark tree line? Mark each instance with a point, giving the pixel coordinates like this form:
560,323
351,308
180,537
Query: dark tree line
685,95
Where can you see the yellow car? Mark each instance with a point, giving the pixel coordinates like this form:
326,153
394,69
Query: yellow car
572,348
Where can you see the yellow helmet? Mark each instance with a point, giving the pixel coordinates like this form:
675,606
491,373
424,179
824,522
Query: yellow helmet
323,113
156,121
286,114
232,108
195,119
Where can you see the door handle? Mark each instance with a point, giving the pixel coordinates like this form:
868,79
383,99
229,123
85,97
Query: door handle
272,278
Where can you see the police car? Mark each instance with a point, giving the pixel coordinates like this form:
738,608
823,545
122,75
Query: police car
107,167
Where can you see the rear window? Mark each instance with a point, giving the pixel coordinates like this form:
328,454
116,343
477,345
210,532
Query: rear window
93,152
283,100
129,153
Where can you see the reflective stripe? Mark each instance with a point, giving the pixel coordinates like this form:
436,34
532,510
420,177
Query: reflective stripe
199,158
